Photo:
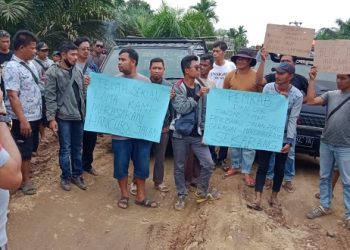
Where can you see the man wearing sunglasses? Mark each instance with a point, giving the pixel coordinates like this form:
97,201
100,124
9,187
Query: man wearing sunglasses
96,55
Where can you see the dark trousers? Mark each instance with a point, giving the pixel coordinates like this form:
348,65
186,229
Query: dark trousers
89,143
263,160
192,167
160,150
222,154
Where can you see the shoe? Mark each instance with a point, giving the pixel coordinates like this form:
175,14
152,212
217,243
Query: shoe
210,196
180,203
318,212
92,171
65,185
79,182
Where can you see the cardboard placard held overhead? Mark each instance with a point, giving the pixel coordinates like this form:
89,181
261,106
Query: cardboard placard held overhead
288,40
333,56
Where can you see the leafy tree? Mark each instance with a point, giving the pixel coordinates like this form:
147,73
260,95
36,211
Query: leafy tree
13,11
239,37
340,32
138,4
207,8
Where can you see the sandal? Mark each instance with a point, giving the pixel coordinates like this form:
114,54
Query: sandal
231,172
288,186
254,206
133,189
147,203
162,188
28,189
123,202
274,203
249,181
268,184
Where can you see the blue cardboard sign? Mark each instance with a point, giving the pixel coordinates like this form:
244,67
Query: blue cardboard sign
243,119
126,107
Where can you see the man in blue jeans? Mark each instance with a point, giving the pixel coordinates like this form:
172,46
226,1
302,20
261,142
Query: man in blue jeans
189,97
335,143
126,149
65,95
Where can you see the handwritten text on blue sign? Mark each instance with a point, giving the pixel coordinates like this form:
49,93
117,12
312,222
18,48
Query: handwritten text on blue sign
245,119
126,107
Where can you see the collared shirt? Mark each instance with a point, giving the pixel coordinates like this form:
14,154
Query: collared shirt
18,78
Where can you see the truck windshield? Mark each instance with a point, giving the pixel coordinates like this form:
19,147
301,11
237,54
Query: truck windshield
171,56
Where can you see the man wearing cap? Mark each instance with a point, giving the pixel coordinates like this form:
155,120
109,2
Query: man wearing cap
244,79
283,86
301,83
220,69
42,63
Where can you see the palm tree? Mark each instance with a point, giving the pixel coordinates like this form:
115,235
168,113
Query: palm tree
340,32
207,8
13,11
239,37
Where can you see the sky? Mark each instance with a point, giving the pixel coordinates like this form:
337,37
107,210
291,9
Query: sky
254,15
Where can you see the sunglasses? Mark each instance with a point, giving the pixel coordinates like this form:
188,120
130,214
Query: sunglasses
99,46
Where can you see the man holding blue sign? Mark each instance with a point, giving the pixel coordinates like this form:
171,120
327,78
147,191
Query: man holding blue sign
188,128
283,86
137,150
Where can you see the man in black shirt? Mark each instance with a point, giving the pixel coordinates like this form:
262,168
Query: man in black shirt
301,83
5,54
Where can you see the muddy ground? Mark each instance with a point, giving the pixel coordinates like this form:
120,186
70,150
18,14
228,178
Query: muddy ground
54,219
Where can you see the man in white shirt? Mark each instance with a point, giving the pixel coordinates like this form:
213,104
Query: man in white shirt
220,69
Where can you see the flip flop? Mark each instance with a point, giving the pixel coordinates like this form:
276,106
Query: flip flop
231,172
146,203
274,203
123,202
249,181
254,206
133,189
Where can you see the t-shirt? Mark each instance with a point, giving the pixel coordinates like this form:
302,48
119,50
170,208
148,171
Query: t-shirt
298,81
19,78
4,58
218,73
208,82
137,77
241,81
295,101
98,60
337,128
4,201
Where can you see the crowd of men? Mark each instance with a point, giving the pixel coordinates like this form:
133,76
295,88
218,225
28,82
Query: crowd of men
39,93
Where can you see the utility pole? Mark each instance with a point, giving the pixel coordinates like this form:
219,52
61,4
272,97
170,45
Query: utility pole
298,24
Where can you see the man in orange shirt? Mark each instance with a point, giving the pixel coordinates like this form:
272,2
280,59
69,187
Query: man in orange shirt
243,78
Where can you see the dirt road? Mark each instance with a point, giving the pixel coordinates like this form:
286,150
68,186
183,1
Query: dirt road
54,219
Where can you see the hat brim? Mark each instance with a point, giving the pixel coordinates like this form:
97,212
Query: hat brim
235,57
279,70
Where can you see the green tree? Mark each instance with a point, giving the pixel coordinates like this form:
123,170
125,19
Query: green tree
340,32
13,11
239,37
207,8
138,4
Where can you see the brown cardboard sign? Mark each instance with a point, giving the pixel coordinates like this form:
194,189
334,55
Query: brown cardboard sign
288,40
332,56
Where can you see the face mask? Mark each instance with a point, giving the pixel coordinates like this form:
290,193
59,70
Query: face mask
68,63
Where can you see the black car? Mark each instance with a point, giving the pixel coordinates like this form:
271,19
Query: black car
312,118
171,50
